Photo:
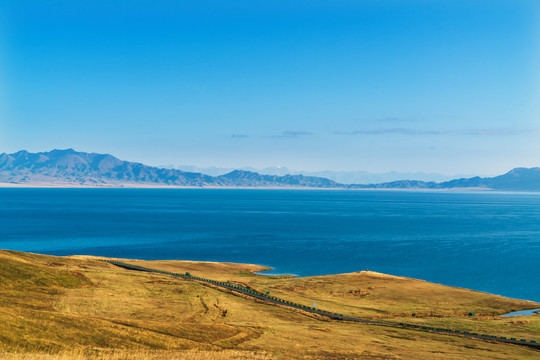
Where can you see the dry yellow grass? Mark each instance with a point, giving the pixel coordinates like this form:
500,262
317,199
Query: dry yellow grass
88,354
79,308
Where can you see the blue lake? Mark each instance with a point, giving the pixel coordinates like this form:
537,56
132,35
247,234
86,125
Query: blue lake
483,241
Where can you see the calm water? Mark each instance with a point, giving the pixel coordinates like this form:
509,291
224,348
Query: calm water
482,241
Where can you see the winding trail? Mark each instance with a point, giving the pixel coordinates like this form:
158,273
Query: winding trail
284,303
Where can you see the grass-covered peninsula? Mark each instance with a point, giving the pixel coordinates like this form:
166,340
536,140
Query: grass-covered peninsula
81,308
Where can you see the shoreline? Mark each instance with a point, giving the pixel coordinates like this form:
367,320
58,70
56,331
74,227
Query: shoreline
162,186
267,268
529,312
285,188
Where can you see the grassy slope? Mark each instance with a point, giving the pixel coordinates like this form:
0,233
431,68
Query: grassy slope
90,309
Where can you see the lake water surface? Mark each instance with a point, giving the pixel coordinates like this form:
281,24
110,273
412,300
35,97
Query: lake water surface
483,241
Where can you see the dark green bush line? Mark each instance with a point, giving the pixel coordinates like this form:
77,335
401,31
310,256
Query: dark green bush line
222,283
485,336
323,312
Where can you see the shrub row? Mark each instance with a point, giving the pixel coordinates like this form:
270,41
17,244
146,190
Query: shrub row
222,283
463,332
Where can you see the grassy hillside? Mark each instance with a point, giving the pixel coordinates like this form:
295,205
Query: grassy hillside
80,308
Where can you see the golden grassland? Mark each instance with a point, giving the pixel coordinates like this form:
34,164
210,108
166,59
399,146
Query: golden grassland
78,308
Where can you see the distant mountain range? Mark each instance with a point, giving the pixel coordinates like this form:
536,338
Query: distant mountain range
70,167
344,177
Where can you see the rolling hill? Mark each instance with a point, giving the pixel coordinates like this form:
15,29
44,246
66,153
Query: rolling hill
59,308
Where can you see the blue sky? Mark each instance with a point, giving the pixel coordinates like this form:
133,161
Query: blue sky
444,86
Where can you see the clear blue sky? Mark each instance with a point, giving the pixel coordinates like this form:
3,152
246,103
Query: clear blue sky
444,86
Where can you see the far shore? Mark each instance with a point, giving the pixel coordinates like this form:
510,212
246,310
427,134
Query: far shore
162,186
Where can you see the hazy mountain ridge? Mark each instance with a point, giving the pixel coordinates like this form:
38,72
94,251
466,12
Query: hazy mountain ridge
70,167
344,177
